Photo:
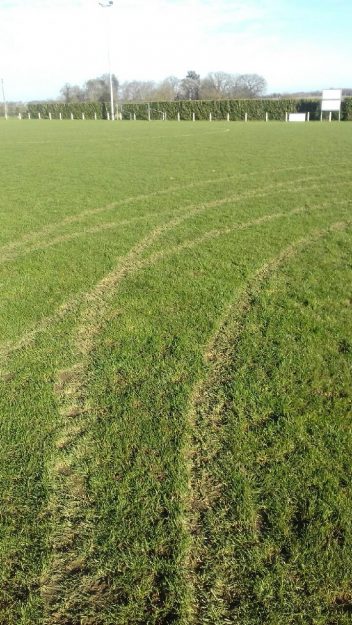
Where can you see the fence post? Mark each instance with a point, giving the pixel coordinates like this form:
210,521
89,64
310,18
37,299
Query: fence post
39,117
71,115
178,117
210,117
228,117
330,116
134,117
266,117
29,115
286,117
246,117
148,112
193,117
308,116
60,116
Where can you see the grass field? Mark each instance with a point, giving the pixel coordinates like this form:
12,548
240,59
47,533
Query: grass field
175,373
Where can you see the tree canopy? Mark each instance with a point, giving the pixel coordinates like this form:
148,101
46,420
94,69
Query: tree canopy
214,86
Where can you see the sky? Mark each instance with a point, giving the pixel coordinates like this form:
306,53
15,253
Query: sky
295,44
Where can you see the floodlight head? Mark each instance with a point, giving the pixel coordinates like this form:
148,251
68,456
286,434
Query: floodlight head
106,3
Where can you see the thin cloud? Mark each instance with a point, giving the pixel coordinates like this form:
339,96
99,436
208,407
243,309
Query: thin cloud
45,43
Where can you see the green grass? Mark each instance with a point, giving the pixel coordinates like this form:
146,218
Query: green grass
175,373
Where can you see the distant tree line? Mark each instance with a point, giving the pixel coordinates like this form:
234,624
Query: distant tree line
214,86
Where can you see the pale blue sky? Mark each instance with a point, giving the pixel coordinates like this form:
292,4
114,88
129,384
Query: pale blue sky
299,44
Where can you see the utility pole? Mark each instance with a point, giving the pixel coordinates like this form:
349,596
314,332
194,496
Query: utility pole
4,99
106,4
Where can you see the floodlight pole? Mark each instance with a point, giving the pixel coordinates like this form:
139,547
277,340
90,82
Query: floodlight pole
4,99
107,4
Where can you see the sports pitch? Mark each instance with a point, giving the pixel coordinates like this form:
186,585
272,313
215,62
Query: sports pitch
175,373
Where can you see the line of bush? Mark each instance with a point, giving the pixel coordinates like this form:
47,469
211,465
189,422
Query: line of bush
88,109
219,109
346,112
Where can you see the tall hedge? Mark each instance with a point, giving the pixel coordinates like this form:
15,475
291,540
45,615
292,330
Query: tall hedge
346,110
77,108
219,109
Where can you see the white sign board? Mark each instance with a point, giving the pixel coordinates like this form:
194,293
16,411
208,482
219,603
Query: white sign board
297,117
331,105
331,100
332,94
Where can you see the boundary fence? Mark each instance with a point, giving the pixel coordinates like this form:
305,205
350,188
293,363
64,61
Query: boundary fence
182,110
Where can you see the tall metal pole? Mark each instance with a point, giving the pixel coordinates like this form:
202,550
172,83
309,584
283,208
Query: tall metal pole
106,4
3,97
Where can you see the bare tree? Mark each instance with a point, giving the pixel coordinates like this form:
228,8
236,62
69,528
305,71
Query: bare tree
66,92
217,85
190,87
72,93
98,89
168,89
249,86
137,91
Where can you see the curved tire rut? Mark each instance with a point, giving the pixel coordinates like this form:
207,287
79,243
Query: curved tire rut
202,442
67,582
72,304
38,240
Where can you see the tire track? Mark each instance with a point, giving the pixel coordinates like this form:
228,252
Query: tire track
202,442
10,347
49,228
67,581
216,233
11,253
14,253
